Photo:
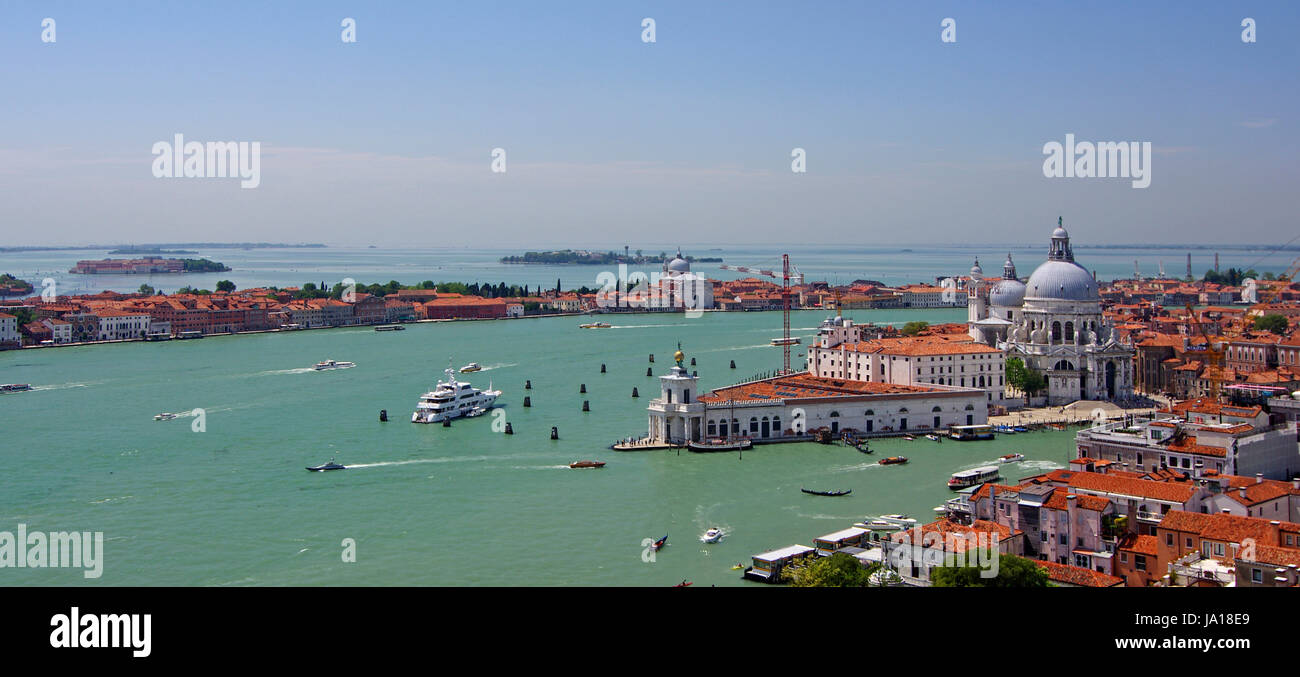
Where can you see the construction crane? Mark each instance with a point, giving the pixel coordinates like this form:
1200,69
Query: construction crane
785,340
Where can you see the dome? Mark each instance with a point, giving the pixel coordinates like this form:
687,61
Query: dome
679,265
1063,280
1008,293
1060,233
976,271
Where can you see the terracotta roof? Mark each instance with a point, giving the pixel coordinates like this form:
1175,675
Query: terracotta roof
1140,544
804,386
1072,575
1090,481
945,526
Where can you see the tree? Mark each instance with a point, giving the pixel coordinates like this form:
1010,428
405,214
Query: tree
226,286
1013,572
146,290
1274,323
914,328
1023,378
840,570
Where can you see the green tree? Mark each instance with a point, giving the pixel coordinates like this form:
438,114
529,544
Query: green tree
840,570
1023,378
914,328
1013,572
225,286
1274,323
146,290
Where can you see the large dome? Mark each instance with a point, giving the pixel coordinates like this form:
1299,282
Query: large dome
679,265
1010,293
1064,280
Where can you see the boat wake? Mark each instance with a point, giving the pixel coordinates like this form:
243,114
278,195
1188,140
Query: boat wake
1041,466
854,468
643,326
380,464
65,386
540,467
501,365
301,370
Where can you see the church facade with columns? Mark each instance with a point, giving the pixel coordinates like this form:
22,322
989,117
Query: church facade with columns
1054,324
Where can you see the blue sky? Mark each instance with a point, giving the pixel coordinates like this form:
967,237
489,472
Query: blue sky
388,140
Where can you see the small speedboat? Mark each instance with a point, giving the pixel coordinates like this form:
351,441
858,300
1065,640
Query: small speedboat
327,466
587,464
909,438
165,416
932,437
472,366
713,535
476,411
595,325
1011,458
333,364
15,387
893,460
1020,429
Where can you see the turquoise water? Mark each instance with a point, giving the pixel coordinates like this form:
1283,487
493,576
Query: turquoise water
429,505
895,264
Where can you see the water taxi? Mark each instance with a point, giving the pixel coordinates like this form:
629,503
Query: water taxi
452,399
1011,458
15,387
893,460
971,432
595,325
333,364
973,477
471,367
587,464
887,523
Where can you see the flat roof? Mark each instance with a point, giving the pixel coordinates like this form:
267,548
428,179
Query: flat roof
842,534
782,553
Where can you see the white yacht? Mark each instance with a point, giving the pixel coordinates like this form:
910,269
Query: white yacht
331,364
713,535
887,523
452,399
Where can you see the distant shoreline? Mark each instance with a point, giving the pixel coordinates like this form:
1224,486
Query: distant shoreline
145,248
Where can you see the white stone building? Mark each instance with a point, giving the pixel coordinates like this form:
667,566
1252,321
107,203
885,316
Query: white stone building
9,336
120,324
1054,324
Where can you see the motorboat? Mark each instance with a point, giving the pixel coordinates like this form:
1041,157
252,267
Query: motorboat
841,492
333,364
893,460
476,411
1011,458
887,523
327,466
165,416
390,327
15,387
932,437
587,464
720,444
973,477
452,399
713,535
595,325
471,367
909,438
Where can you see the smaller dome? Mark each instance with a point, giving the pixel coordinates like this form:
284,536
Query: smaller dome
1060,233
1008,293
976,270
679,266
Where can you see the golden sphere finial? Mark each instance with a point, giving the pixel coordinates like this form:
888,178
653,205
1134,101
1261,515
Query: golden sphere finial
679,356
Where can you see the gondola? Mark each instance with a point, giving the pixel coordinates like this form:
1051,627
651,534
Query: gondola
842,492
864,448
660,543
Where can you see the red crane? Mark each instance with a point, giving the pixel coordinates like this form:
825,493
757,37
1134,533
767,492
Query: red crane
785,340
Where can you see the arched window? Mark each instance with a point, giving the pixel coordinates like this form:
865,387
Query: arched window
970,407
1056,332
1069,331
753,424
1063,365
903,410
871,412
713,428
776,424
937,409
981,382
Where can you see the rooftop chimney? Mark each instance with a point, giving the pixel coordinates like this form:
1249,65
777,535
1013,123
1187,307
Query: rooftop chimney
1295,483
1259,478
1242,491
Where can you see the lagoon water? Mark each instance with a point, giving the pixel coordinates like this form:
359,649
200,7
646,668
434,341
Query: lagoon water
427,505
891,264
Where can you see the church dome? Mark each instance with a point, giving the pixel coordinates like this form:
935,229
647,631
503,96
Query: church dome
1007,293
1063,280
678,264
976,271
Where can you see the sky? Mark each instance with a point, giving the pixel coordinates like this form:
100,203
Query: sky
613,140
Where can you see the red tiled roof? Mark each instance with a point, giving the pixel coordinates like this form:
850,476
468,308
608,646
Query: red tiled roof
1072,575
805,386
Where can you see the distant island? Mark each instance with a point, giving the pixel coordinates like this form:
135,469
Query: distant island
151,251
592,258
140,248
12,286
147,266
